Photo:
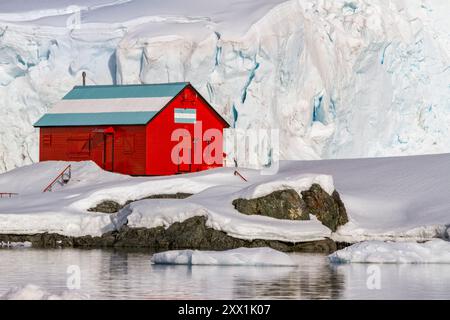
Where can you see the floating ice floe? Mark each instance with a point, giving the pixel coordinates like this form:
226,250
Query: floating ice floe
34,292
434,251
235,257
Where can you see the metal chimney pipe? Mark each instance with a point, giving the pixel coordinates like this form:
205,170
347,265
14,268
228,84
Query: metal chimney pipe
84,78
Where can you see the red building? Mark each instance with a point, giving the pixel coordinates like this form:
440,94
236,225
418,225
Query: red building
132,129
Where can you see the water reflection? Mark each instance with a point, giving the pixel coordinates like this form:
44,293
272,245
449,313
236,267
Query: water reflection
313,279
403,281
109,274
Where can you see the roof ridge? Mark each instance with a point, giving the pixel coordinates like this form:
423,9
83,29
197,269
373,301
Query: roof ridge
126,91
130,85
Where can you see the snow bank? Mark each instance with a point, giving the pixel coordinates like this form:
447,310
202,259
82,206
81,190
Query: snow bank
64,211
215,204
33,292
221,216
396,198
297,182
35,178
434,251
235,257
401,199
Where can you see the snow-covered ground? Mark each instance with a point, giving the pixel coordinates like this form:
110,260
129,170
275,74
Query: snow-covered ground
399,198
235,257
64,210
403,199
215,203
434,251
338,78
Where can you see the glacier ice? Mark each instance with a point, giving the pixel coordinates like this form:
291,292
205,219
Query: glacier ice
338,78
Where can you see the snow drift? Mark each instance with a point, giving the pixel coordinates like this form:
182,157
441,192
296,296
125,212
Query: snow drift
338,78
435,251
235,257
401,199
215,203
64,211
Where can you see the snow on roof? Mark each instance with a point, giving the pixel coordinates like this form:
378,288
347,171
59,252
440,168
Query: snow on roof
111,105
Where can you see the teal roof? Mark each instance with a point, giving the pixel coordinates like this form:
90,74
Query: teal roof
94,119
126,91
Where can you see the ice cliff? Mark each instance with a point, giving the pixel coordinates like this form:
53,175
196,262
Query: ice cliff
338,78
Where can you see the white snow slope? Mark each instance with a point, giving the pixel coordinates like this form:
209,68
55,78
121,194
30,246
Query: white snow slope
402,199
339,78
435,251
64,210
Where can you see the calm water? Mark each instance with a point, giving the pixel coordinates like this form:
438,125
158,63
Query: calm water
108,274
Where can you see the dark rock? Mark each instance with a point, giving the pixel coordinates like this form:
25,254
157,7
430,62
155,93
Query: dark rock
283,204
287,204
107,206
105,241
41,240
330,210
110,206
189,234
194,234
178,195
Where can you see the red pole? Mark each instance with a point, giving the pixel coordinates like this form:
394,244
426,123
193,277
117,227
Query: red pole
240,175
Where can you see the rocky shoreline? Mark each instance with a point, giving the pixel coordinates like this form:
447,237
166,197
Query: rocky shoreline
193,233
189,234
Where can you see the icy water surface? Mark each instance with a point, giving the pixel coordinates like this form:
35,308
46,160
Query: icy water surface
108,274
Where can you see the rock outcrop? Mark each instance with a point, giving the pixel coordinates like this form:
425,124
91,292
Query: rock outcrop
288,204
193,233
283,204
189,234
330,210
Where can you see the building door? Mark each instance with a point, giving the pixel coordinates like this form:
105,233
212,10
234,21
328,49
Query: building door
98,148
108,154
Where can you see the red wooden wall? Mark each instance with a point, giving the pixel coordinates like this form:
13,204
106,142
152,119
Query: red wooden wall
127,155
159,132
